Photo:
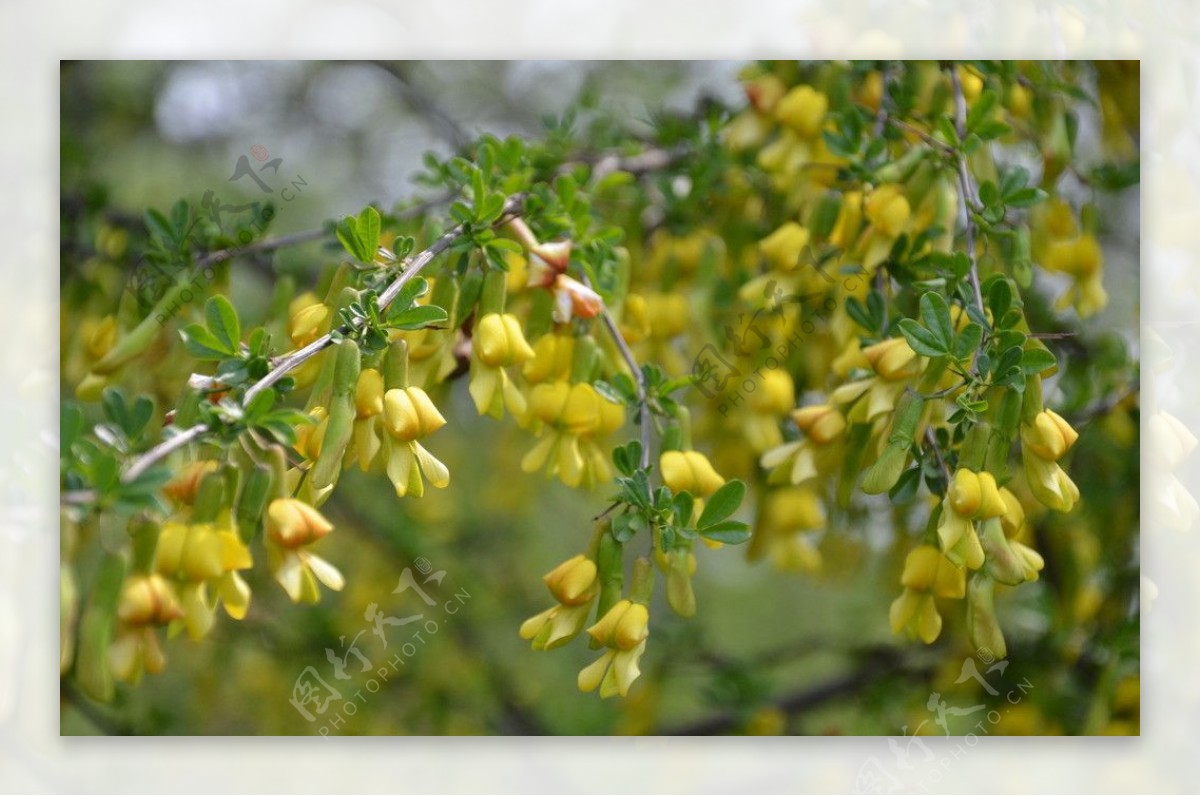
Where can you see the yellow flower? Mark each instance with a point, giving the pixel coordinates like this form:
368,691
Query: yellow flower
783,247
624,630
689,471
409,415
927,574
820,422
1049,436
893,359
573,582
803,109
498,342
573,417
292,525
146,601
1049,483
194,555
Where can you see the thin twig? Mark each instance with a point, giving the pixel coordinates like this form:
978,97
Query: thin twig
931,440
266,245
443,123
300,356
965,184
639,379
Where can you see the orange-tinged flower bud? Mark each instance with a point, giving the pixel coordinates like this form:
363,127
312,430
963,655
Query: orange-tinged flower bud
293,523
183,487
368,395
821,422
893,359
803,109
765,91
556,254
573,582
147,600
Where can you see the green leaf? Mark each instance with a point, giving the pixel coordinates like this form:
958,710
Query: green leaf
999,298
968,341
1025,197
202,344
70,426
418,317
347,235
158,226
609,392
1037,360
992,128
905,489
723,503
728,532
980,109
368,233
222,321
684,505
935,316
627,457
923,341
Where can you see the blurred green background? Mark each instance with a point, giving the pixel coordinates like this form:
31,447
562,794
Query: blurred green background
767,652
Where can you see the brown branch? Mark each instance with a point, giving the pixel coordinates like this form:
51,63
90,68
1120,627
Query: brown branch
443,123
293,360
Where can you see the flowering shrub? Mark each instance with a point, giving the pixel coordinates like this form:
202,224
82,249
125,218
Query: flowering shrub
853,299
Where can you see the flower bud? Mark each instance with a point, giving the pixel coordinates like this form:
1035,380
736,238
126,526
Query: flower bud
147,600
765,91
309,323
893,359
573,581
183,487
821,422
293,523
368,395
776,395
